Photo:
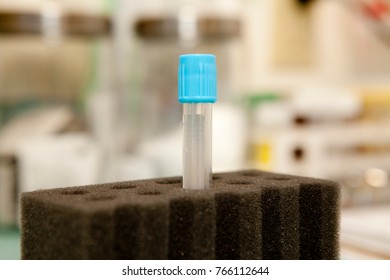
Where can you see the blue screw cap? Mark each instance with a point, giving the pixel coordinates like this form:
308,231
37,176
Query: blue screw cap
197,78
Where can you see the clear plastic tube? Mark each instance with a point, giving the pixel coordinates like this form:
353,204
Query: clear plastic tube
197,118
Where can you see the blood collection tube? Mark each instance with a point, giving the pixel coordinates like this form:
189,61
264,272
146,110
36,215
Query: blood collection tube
197,77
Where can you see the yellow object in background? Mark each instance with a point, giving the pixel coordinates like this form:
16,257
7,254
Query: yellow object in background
376,103
263,155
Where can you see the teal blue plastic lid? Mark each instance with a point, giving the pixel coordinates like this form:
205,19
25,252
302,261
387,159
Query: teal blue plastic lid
197,76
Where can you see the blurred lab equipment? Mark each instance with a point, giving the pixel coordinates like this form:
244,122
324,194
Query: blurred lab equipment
160,40
229,142
150,116
351,39
376,15
22,129
45,57
332,133
72,159
365,233
47,61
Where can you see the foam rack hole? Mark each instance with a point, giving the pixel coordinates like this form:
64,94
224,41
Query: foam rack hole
74,192
123,187
240,182
101,198
279,178
149,193
216,177
251,173
169,181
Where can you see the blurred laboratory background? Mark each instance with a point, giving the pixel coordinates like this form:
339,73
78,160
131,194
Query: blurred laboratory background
88,94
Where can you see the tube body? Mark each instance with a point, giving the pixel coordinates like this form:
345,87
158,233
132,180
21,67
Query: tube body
197,119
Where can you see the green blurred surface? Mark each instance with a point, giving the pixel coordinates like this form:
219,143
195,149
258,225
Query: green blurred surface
9,244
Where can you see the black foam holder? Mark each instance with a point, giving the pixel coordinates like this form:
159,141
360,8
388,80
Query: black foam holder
246,214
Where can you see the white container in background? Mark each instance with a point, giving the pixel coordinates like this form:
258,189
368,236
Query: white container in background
58,161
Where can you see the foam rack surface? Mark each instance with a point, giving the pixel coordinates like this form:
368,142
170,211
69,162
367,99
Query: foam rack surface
244,215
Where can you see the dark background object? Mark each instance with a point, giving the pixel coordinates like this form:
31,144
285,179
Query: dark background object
73,24
305,2
209,28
